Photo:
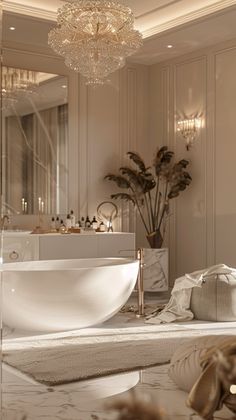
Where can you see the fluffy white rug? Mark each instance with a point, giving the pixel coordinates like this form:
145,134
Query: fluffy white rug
61,358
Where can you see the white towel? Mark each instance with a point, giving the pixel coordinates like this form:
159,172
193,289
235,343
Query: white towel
178,307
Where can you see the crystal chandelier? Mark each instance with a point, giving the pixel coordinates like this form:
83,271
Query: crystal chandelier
16,82
94,37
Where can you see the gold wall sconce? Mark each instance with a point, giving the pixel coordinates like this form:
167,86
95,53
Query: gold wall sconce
189,128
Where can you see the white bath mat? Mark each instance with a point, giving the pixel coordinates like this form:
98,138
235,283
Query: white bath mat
56,359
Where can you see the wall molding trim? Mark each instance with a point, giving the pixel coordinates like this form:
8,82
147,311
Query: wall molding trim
175,98
197,82
29,11
51,15
218,7
74,151
127,132
20,48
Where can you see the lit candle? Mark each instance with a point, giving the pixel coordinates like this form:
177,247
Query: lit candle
23,204
40,202
42,206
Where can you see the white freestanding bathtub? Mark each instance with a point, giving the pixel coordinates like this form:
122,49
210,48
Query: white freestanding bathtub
65,294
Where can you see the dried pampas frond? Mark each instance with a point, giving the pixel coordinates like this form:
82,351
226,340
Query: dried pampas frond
225,367
136,408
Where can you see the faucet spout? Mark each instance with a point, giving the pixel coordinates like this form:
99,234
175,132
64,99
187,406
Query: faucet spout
5,219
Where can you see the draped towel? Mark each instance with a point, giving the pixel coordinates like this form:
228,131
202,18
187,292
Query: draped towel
178,307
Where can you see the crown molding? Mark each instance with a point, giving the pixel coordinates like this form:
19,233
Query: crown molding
29,11
158,8
22,48
181,20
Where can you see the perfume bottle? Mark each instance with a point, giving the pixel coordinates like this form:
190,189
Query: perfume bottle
94,223
68,222
57,223
53,224
62,228
82,222
72,217
87,223
102,227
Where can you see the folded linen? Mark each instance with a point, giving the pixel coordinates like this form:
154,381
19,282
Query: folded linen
178,307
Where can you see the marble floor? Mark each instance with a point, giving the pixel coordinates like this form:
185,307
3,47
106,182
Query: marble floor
88,400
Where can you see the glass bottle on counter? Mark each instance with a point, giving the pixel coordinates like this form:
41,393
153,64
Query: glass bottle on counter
102,227
94,223
57,223
87,223
53,224
62,227
82,222
72,218
68,222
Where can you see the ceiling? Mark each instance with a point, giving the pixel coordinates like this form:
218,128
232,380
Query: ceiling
186,24
152,16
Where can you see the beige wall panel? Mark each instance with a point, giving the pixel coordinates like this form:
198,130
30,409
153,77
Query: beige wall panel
225,154
103,141
190,222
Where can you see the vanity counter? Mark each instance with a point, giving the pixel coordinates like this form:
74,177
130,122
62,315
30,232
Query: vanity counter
24,246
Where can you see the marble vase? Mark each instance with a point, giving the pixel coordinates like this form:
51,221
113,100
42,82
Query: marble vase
155,272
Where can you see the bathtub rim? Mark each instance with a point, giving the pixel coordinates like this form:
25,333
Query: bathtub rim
45,264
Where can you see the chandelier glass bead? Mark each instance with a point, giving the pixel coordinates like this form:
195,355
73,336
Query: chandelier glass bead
95,37
17,81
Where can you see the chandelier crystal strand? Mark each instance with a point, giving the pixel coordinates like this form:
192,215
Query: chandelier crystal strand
17,81
95,37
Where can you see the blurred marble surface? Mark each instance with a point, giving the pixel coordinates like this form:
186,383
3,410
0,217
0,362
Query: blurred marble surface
155,272
76,402
86,400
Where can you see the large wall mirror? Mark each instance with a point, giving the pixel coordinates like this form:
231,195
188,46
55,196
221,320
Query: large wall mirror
34,142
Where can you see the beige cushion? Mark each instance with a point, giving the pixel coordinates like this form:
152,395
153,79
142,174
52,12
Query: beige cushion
216,299
185,366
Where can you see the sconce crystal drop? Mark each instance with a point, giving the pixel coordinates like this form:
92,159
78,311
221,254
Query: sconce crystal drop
188,128
94,37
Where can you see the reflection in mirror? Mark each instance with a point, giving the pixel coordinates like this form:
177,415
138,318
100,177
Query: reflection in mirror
34,142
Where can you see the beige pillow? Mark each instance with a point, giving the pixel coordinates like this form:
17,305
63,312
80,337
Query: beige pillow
216,299
185,366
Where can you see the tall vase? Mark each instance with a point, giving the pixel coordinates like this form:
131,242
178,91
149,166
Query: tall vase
155,239
156,264
155,269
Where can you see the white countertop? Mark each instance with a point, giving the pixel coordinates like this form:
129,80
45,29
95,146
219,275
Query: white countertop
7,233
